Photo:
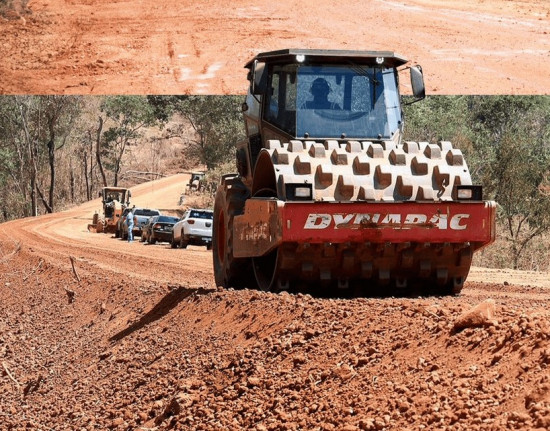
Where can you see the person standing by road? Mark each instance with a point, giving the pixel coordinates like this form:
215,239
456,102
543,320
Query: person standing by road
130,224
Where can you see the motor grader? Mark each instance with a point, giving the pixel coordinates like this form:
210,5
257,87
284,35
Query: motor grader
196,182
114,200
327,193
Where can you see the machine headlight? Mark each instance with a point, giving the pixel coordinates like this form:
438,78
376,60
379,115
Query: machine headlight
303,192
299,192
468,193
464,194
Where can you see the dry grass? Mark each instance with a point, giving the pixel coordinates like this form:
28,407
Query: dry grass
199,200
536,256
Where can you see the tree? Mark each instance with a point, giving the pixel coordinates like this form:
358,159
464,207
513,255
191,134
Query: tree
128,116
46,122
215,120
13,160
6,168
86,147
34,128
60,113
513,135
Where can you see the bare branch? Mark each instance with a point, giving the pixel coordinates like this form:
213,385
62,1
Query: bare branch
74,269
6,369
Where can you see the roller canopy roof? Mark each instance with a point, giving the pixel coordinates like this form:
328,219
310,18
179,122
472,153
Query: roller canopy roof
325,56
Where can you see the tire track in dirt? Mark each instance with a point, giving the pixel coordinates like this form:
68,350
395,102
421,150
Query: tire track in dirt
102,47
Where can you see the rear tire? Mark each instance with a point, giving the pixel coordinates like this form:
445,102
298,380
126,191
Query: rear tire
183,243
173,242
229,271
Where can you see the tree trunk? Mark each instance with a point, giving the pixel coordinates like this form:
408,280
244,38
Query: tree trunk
86,176
118,161
45,202
72,182
98,151
51,160
34,206
30,149
117,168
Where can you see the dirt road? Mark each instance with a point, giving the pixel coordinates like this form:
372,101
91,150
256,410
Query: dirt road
138,337
184,47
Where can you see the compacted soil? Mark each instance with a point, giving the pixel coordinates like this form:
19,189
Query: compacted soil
97,333
200,47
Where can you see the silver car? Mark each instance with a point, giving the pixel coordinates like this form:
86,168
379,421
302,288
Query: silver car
141,217
194,227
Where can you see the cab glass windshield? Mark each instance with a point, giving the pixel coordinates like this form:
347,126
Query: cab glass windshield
334,101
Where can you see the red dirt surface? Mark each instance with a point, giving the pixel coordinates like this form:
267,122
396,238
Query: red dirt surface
185,47
138,337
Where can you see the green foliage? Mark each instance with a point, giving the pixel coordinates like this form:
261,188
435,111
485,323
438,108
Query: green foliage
513,135
438,119
163,106
32,129
11,165
128,111
6,166
216,121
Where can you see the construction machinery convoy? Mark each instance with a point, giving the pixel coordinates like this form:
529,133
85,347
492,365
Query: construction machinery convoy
328,194
114,200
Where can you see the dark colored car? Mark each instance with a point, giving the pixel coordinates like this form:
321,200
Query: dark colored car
158,228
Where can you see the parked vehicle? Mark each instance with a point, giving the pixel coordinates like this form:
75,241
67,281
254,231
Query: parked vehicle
158,228
194,227
141,217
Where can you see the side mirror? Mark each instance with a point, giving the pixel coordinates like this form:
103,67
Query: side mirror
258,78
417,82
251,76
